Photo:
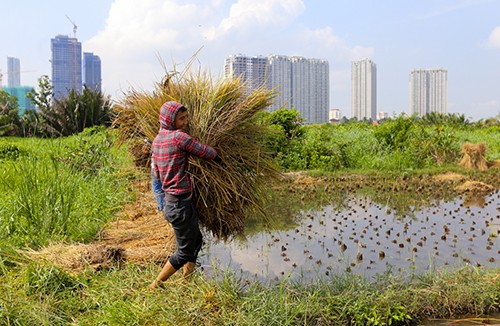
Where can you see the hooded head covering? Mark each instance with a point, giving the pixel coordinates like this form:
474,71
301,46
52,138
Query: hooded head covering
168,112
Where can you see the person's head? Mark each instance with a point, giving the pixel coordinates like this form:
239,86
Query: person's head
173,115
181,118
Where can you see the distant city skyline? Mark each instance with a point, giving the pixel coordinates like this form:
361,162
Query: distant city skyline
301,83
137,44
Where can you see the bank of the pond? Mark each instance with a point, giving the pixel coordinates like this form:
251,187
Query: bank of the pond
40,294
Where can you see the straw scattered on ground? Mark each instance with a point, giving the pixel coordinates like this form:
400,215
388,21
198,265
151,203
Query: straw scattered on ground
139,235
449,177
474,186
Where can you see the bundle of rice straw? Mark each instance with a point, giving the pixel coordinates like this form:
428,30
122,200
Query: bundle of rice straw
223,115
474,156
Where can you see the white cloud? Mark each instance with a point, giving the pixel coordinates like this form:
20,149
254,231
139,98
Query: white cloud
323,43
138,34
252,16
494,38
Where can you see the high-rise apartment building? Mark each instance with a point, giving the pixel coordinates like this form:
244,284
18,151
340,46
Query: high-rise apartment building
14,72
66,65
251,70
310,89
92,71
300,83
279,76
364,89
428,91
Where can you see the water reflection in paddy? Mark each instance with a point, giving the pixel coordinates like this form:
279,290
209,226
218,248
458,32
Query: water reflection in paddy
366,238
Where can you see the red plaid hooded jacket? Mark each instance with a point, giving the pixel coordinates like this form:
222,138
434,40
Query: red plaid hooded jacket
171,148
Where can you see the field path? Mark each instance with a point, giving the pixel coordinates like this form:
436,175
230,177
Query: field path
139,234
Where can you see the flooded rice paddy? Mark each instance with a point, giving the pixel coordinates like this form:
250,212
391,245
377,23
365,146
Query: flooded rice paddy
367,238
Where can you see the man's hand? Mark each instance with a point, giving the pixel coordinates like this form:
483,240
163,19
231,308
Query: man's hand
218,160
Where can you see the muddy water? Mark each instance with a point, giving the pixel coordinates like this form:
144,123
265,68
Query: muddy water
367,238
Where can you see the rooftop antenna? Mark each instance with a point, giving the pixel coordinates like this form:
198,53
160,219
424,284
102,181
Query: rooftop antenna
74,51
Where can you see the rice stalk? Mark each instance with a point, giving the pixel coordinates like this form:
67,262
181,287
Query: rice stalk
223,115
474,156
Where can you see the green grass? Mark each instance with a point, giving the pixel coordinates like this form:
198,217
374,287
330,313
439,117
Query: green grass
39,294
60,189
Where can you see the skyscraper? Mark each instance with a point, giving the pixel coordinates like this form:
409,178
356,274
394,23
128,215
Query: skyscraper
251,70
302,84
92,71
364,89
310,89
66,65
428,91
279,76
14,72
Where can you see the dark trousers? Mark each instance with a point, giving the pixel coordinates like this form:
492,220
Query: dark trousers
183,217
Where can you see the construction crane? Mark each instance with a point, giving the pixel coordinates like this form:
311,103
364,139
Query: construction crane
74,53
6,73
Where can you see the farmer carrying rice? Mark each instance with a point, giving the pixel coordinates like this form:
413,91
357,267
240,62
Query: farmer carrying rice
171,148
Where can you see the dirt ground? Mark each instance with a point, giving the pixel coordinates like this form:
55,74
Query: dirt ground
139,235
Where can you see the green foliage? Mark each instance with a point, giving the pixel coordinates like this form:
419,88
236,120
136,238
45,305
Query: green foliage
67,115
72,114
290,122
90,152
11,152
449,119
399,144
48,280
9,118
63,191
42,98
435,145
32,124
395,134
38,294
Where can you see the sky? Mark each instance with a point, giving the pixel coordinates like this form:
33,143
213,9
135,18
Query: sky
138,41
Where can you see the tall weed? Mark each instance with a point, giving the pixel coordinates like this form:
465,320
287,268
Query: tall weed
64,190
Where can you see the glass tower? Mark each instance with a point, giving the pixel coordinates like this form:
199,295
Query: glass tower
66,65
92,71
14,72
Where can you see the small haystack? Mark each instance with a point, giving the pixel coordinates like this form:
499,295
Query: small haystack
474,187
222,114
474,156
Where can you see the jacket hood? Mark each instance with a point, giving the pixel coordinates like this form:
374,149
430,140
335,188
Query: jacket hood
168,112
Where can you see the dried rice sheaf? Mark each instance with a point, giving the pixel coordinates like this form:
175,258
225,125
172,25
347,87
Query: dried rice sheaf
222,115
474,156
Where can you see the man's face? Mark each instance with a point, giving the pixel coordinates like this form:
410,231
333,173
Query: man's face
181,120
